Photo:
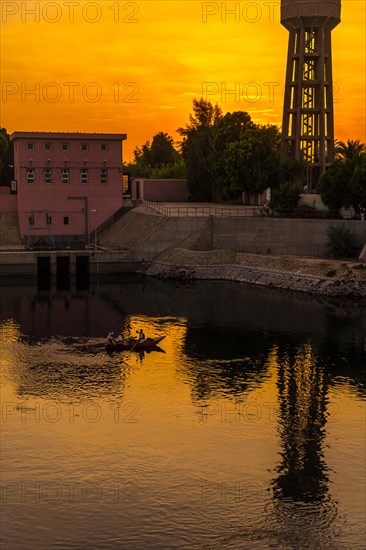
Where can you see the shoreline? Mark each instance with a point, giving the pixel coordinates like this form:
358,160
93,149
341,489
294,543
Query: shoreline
349,283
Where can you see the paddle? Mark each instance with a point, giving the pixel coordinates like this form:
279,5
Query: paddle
135,344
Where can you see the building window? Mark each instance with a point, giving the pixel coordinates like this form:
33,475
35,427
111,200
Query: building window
47,175
48,146
31,220
49,220
30,146
64,146
30,175
84,175
66,220
104,146
65,175
85,146
104,175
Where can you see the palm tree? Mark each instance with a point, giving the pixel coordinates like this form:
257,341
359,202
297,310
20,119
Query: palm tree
349,151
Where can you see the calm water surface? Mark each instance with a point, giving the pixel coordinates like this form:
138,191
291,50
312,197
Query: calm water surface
246,430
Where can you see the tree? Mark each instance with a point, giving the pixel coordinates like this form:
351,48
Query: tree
349,151
227,154
358,182
334,185
162,150
142,155
344,183
199,150
170,171
252,163
231,127
286,197
292,170
152,157
205,115
6,158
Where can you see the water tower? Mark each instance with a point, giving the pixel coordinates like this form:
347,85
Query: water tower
307,125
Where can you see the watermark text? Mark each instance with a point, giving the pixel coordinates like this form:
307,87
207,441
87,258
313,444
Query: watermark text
33,492
125,413
71,12
239,12
69,92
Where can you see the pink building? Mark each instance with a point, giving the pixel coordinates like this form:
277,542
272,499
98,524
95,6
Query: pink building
68,184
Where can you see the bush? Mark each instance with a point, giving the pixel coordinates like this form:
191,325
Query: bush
341,242
169,171
285,197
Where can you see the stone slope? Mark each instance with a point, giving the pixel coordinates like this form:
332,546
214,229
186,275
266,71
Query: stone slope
312,276
9,229
131,230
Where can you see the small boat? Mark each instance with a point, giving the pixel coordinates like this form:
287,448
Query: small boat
133,344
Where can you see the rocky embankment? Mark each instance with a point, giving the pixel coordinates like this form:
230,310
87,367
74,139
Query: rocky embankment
312,276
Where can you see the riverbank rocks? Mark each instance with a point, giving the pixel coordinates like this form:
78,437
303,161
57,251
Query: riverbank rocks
343,281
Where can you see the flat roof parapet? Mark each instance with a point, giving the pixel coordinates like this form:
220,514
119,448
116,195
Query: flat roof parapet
66,135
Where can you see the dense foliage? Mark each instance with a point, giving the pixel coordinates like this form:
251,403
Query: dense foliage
286,197
223,156
158,159
344,183
6,158
227,154
341,242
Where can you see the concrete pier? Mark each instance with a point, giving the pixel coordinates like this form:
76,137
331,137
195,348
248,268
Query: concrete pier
26,263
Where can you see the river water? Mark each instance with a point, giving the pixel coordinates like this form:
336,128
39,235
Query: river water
246,430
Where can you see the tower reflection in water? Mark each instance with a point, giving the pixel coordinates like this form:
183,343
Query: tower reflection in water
302,481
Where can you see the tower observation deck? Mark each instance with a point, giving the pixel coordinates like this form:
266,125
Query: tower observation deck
308,120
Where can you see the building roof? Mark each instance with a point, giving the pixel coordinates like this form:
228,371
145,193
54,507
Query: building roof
66,135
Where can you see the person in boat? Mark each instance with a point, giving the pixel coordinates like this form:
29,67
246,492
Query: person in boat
110,338
141,336
121,340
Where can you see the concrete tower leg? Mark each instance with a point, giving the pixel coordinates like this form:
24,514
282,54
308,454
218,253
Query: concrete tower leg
308,120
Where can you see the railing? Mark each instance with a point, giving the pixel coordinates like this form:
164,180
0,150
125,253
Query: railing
201,211
108,222
242,211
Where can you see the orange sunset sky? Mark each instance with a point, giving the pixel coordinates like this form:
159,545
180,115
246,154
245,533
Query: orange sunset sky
134,67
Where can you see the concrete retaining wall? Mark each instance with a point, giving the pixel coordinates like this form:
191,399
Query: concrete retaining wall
160,189
299,237
25,263
170,233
